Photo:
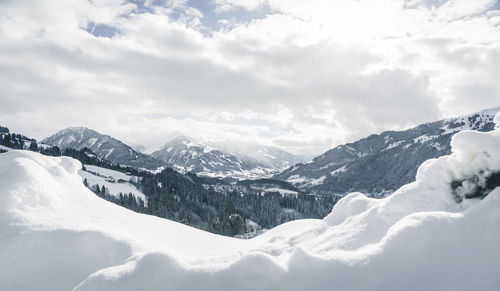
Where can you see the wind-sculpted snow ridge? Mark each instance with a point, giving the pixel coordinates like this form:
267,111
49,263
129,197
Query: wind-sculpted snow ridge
433,234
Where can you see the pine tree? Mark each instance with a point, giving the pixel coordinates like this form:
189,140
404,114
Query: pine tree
33,147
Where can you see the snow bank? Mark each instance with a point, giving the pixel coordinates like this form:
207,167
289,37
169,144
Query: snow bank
57,235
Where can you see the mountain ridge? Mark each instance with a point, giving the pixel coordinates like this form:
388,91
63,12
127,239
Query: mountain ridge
104,146
380,163
209,159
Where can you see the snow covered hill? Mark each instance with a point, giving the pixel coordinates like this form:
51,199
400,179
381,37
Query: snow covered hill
381,163
104,146
191,155
115,183
441,232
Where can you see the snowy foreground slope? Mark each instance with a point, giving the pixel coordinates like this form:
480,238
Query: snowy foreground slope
57,235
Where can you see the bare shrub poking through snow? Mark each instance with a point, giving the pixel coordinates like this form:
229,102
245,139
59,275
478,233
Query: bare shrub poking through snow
477,186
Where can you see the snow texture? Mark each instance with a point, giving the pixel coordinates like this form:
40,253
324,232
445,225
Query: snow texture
57,235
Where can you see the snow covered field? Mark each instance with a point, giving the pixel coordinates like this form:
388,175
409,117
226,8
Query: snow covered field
57,235
114,181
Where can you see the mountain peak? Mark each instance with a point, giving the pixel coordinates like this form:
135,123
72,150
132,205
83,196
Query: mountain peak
76,130
209,159
185,138
104,146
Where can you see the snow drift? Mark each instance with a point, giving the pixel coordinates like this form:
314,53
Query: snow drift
441,232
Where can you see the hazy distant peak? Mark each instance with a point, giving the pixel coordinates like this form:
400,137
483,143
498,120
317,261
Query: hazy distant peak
224,159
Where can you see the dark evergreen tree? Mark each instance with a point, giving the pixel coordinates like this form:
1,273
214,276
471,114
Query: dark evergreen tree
33,147
97,190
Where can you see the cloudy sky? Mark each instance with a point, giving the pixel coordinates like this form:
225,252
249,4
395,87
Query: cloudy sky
303,75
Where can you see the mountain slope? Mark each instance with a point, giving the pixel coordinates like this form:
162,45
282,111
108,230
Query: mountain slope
104,146
212,160
194,156
381,163
114,182
425,236
203,202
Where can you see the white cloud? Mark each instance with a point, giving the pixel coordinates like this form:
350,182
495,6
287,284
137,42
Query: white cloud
309,75
228,5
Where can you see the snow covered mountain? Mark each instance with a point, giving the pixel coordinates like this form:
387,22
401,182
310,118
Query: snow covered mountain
189,154
381,163
104,146
267,156
57,235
